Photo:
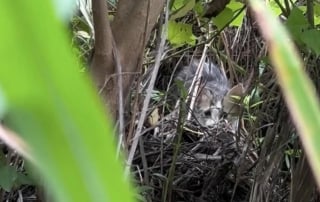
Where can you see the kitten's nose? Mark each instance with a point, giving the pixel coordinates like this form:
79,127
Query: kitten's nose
212,116
218,105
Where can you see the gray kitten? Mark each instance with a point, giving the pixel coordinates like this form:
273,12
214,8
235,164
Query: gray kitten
213,88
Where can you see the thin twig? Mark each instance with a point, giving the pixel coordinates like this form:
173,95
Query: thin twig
116,57
310,13
194,88
148,96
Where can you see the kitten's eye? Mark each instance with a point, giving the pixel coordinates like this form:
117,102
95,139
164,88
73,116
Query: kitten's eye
207,113
224,115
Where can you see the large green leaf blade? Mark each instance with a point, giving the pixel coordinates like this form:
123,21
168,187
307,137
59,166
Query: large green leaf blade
55,108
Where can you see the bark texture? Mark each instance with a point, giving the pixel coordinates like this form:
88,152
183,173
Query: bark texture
130,30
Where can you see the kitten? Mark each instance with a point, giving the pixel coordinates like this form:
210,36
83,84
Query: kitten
213,88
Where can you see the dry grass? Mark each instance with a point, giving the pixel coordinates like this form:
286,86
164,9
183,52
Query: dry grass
260,162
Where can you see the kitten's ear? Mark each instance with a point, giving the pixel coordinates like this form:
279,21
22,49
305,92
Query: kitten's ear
204,98
231,101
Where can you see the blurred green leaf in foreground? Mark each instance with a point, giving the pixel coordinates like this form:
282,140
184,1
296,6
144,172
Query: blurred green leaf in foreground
55,108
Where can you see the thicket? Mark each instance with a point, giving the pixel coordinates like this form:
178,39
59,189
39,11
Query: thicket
56,141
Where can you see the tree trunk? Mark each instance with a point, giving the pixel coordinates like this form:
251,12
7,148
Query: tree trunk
130,30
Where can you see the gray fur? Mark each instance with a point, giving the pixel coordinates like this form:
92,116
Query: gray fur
208,107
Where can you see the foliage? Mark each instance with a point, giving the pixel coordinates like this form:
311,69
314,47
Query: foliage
297,88
54,107
299,29
297,24
10,177
232,15
181,8
181,33
47,99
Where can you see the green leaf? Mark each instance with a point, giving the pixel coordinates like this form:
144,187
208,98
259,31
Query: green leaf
8,176
223,18
198,8
55,108
236,6
183,10
316,9
299,29
297,24
273,5
297,88
180,34
11,178
308,37
227,15
177,4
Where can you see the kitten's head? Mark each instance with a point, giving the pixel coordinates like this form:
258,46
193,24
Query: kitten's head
210,105
214,87
211,96
208,108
